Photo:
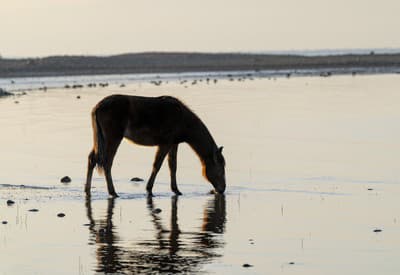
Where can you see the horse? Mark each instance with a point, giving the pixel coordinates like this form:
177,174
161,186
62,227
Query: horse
162,121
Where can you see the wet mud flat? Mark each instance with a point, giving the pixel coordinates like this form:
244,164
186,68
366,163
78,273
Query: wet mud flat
312,173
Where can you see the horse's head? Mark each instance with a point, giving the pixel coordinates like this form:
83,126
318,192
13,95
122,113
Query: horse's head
214,171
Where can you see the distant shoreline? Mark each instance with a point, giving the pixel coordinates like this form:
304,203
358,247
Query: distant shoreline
158,62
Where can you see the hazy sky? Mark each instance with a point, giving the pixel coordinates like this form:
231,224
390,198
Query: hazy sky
47,27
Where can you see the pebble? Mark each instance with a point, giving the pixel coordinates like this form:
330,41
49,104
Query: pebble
377,230
291,263
157,210
66,179
137,179
10,202
61,215
33,210
78,97
370,189
4,222
247,265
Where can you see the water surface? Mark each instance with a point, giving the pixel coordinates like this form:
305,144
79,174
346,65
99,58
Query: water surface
312,170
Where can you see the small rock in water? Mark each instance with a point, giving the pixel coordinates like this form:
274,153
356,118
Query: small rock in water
33,210
157,210
66,179
61,215
291,263
4,222
247,265
78,97
10,202
370,189
377,230
137,179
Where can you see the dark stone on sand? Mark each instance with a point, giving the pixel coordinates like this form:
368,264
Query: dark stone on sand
137,179
157,210
370,189
16,102
10,202
4,222
33,210
377,230
65,179
291,263
325,74
78,97
61,215
4,93
247,265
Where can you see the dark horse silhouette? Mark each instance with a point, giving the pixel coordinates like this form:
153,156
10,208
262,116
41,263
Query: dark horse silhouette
153,121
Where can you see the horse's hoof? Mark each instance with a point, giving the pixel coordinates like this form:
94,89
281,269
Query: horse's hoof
150,194
114,195
178,193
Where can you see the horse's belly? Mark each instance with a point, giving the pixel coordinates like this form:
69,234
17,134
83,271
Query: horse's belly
144,137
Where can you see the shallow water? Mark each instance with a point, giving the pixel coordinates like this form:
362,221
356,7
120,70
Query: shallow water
302,154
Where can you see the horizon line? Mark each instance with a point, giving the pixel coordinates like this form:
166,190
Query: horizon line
302,52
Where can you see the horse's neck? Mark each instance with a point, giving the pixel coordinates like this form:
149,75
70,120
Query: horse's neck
202,142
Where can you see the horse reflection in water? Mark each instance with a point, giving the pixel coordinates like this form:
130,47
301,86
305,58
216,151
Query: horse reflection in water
168,252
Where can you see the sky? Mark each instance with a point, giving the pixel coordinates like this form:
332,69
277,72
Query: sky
104,27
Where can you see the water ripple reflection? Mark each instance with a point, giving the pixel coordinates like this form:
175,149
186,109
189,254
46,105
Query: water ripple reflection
170,251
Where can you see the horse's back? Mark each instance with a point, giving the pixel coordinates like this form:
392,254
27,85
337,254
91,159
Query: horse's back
144,120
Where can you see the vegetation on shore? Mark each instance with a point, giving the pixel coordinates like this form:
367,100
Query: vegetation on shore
157,62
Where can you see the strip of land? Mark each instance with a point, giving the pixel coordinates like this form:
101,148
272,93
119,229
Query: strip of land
158,62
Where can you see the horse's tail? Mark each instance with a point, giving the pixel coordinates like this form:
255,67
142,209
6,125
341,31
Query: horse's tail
98,143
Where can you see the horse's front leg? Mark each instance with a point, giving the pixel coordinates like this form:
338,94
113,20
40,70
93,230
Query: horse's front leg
160,155
172,168
90,167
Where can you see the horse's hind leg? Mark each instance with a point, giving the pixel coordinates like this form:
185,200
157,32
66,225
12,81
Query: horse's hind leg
160,155
90,167
172,168
111,151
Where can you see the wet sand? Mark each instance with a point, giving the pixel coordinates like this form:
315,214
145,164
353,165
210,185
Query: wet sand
312,170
